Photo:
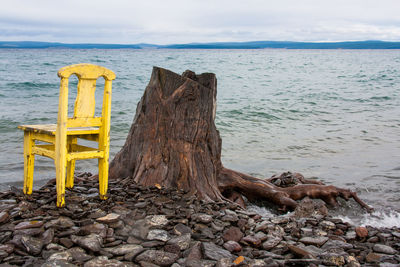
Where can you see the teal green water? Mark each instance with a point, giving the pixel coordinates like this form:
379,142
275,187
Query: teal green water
331,114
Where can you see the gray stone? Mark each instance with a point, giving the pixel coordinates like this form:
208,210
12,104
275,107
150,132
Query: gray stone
53,246
271,242
64,255
333,259
60,223
181,229
4,216
28,225
156,220
335,245
104,262
316,241
380,248
183,241
158,257
200,263
109,218
158,234
79,254
58,263
95,228
203,218
124,249
327,225
214,252
32,245
91,242
224,262
47,236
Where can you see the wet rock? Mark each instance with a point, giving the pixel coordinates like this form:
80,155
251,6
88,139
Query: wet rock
214,252
316,241
121,250
183,241
109,218
232,246
91,242
195,252
158,234
380,248
361,232
327,225
308,208
29,224
32,245
158,257
232,233
373,257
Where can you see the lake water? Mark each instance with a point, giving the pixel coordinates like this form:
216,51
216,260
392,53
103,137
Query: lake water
331,114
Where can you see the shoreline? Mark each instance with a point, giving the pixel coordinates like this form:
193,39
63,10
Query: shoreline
140,226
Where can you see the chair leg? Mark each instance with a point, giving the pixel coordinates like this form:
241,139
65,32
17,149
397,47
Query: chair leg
70,164
103,178
61,162
29,162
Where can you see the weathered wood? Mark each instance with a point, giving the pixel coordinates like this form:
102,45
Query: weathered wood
173,142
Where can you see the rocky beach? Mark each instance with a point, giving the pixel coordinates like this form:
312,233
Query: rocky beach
138,226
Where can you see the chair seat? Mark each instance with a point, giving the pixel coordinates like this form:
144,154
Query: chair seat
50,129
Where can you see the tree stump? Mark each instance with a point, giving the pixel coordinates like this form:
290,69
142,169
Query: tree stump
173,142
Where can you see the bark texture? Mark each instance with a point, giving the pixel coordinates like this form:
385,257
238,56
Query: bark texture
173,142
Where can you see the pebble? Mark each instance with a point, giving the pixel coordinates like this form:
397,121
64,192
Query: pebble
140,226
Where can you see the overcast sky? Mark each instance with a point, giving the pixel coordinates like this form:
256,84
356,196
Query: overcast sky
175,21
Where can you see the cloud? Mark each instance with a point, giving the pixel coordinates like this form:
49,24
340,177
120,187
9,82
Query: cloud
176,21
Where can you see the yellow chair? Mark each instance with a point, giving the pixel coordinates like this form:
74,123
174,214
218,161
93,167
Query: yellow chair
61,138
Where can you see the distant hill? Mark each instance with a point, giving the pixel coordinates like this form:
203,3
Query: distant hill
216,45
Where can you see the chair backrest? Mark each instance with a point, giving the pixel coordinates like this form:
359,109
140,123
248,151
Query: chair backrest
84,109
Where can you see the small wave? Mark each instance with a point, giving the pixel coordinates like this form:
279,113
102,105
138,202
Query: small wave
31,85
380,98
378,219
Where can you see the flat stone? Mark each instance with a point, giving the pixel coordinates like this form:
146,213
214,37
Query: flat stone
158,234
47,236
66,242
200,263
183,241
271,242
109,218
157,220
181,229
232,233
29,231
8,248
350,235
124,249
232,246
27,225
336,245
333,259
373,257
194,252
361,232
53,246
79,254
203,218
158,257
380,248
105,262
299,251
214,252
64,255
251,240
327,225
95,228
91,242
57,263
4,216
316,241
32,245
60,223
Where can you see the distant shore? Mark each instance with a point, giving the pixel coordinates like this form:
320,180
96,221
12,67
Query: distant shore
216,45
